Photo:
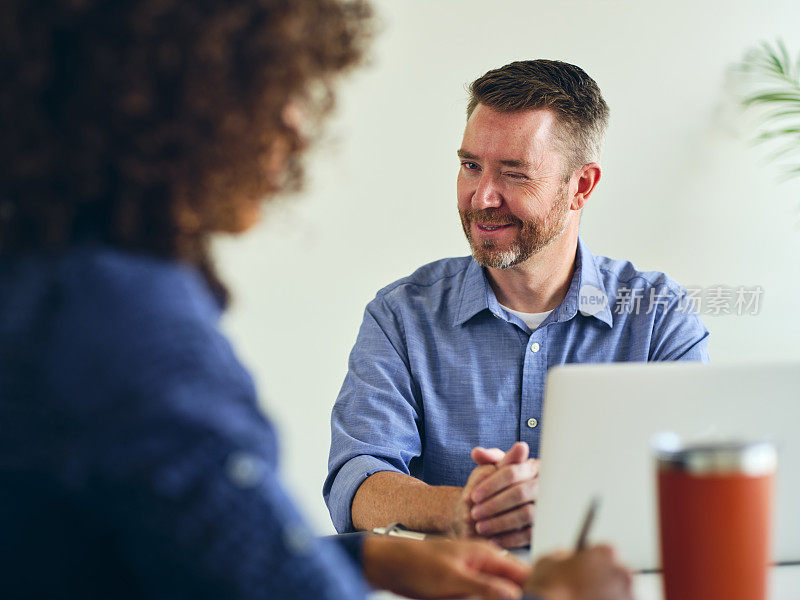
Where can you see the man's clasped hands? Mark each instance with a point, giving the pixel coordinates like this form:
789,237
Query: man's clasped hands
497,503
498,500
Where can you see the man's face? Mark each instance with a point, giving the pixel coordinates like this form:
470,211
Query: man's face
512,185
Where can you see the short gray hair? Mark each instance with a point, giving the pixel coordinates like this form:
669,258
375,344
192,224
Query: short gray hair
565,89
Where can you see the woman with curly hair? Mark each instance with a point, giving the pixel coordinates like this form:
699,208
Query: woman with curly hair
134,462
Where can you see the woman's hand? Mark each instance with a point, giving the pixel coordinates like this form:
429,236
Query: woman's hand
442,568
592,574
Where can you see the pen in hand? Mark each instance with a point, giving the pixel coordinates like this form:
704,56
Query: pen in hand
587,524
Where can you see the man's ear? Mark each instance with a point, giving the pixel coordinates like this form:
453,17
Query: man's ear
588,176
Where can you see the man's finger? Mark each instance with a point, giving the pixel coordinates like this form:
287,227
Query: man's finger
504,477
509,498
512,520
515,539
478,475
486,456
516,454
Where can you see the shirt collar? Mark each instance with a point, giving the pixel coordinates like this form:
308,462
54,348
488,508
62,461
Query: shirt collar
586,284
477,295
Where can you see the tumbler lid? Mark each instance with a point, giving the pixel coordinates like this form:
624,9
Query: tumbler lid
747,458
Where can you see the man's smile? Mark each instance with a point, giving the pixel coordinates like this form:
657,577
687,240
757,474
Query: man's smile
489,227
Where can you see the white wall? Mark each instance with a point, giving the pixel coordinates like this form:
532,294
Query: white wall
682,190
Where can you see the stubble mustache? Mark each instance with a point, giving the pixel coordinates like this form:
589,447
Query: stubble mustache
488,217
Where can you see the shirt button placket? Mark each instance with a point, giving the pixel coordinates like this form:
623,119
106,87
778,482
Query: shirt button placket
534,370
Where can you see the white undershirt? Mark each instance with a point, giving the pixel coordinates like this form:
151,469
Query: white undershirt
532,320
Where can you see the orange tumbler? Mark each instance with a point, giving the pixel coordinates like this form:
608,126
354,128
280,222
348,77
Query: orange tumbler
715,506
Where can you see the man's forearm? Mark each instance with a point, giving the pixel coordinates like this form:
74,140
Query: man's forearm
389,497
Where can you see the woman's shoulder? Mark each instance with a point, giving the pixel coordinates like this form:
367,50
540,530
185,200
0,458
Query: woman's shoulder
128,285
112,314
146,309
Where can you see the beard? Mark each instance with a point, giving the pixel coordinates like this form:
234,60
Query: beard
532,236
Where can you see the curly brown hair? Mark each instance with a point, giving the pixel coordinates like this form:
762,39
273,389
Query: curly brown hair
150,124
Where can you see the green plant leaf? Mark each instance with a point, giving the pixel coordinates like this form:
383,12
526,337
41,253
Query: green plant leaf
782,114
790,173
788,131
785,60
773,78
787,96
786,150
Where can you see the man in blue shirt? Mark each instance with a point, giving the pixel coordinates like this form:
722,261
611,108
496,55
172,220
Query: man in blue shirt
453,358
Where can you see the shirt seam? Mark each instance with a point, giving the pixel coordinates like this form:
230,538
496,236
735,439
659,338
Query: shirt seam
678,291
397,284
390,310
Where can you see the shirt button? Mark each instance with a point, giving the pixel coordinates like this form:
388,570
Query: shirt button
535,347
532,422
244,469
298,539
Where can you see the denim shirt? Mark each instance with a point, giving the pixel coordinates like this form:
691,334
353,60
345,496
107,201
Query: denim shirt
134,461
440,367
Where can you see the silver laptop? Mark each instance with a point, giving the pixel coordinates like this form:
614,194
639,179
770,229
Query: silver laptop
598,426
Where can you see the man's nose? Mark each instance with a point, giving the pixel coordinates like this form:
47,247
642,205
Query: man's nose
486,194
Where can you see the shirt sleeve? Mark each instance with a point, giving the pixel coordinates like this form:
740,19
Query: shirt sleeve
182,468
376,421
678,332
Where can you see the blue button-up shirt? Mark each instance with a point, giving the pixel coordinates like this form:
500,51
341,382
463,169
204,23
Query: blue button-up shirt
440,366
134,461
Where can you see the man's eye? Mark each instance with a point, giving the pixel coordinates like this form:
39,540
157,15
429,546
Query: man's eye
516,175
470,166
